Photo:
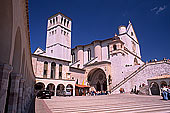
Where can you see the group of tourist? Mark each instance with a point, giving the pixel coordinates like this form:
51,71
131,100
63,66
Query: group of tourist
165,92
94,93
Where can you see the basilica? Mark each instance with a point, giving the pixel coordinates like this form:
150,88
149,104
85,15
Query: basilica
102,65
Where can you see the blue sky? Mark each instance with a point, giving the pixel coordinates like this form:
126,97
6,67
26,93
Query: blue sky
99,19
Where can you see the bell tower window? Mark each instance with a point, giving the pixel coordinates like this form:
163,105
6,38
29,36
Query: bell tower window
114,47
89,54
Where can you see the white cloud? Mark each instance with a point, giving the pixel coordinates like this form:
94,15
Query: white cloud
154,8
157,10
161,9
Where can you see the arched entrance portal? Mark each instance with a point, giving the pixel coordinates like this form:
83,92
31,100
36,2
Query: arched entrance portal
51,87
69,87
60,90
97,79
154,88
163,83
39,86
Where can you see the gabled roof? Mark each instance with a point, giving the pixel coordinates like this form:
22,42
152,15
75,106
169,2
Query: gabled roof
39,51
60,14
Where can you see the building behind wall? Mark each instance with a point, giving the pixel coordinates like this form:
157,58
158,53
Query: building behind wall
16,73
108,64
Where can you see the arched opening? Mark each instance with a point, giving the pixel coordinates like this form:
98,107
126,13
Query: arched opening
53,66
163,83
51,88
69,87
97,79
60,90
45,69
154,87
114,47
39,86
16,62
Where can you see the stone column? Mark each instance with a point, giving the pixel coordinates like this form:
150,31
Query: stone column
23,98
108,88
5,70
13,96
20,96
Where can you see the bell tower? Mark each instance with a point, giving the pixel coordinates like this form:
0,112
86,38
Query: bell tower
58,43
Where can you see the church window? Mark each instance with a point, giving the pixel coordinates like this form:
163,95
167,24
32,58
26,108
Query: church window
67,34
61,31
133,46
73,57
55,31
50,22
108,52
61,20
53,68
45,69
89,54
51,51
64,22
52,32
135,61
56,20
53,21
60,71
64,33
131,33
67,23
114,47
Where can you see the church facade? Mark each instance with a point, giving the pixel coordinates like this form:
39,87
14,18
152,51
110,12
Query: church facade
104,65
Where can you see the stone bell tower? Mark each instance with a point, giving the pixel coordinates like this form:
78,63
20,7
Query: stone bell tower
58,43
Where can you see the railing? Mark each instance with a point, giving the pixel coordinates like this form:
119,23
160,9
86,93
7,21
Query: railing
74,63
89,61
135,72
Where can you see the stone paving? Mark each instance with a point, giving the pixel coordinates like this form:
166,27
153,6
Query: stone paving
118,103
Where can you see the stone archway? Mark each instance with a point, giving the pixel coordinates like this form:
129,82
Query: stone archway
51,87
39,86
60,89
163,83
70,88
97,79
154,87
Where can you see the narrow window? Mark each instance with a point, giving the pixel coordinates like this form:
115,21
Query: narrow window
53,66
67,23
131,33
53,21
51,51
61,31
52,32
61,20
60,71
114,47
56,20
108,52
73,57
50,22
89,54
45,69
64,33
64,22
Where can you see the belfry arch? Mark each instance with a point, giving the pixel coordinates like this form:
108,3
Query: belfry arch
97,79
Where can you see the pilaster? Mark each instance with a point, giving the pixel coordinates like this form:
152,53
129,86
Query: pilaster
5,70
14,92
20,96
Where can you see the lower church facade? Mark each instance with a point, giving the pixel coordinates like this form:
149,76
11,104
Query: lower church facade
102,65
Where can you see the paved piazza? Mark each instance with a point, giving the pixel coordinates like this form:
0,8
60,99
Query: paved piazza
120,103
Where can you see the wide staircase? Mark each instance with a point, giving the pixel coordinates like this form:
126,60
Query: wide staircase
133,74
